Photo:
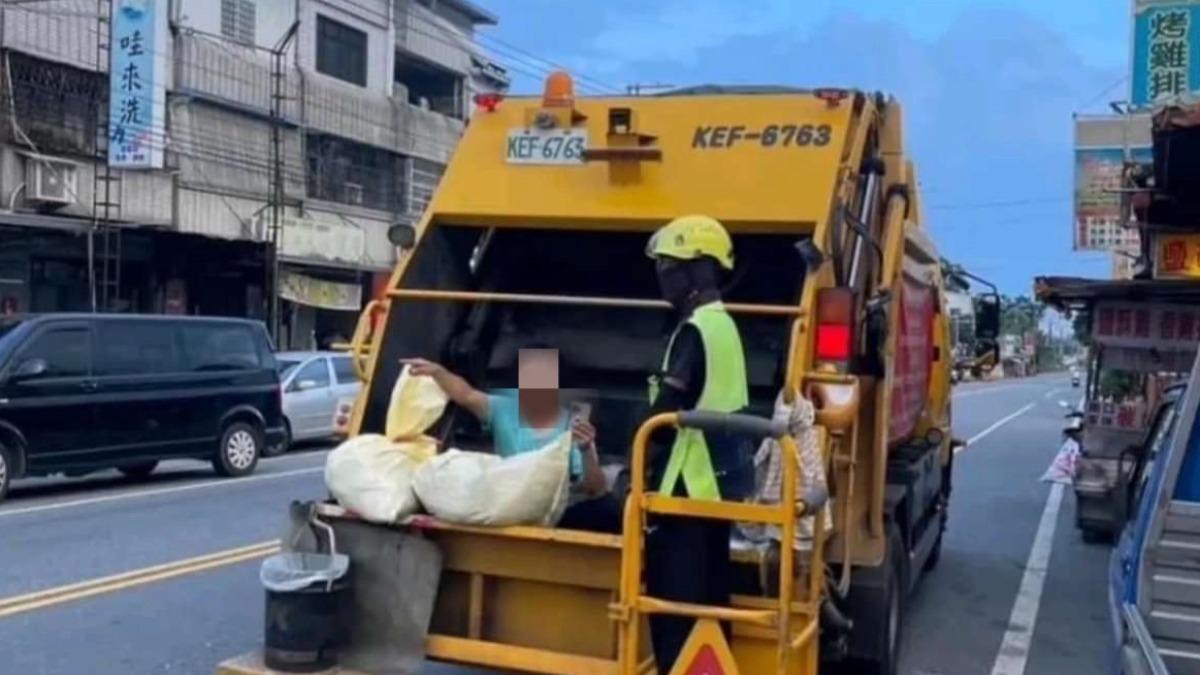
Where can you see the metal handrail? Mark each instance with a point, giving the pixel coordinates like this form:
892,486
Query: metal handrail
634,604
1141,634
581,301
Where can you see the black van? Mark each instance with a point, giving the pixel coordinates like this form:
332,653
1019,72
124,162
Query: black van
84,392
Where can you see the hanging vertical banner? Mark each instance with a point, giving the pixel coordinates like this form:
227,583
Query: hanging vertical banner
1101,143
137,87
1166,51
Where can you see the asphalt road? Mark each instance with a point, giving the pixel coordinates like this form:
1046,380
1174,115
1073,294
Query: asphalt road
987,609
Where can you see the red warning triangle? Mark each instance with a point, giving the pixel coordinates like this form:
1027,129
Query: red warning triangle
705,663
706,652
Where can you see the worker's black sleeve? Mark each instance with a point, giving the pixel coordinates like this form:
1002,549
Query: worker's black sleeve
681,385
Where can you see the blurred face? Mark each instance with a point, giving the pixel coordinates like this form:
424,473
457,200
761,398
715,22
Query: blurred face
537,386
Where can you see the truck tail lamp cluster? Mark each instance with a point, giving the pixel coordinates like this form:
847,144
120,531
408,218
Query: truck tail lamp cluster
489,101
342,417
835,324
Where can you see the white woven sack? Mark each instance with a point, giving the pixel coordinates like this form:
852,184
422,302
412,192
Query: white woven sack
475,488
372,476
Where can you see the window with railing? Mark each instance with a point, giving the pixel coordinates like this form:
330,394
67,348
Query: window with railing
343,171
55,104
425,178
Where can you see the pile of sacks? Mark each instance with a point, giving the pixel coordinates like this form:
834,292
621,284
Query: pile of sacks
386,478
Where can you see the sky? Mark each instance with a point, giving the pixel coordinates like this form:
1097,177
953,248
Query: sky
989,89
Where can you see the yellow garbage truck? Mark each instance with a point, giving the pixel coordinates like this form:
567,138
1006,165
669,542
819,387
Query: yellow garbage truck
538,230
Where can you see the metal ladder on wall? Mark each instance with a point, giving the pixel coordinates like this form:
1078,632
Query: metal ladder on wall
104,236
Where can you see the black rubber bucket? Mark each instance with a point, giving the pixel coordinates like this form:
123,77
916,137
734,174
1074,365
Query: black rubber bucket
304,628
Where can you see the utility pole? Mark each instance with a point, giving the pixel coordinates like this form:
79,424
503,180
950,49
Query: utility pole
104,255
277,192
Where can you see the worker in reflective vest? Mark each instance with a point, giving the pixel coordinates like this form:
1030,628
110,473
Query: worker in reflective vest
704,368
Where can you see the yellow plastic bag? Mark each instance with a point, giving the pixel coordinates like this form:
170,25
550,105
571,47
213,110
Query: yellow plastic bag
416,404
372,475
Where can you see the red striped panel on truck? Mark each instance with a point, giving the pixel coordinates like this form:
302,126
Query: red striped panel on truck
913,359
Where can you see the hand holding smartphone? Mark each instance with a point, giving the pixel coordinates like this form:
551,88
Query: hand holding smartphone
581,411
581,428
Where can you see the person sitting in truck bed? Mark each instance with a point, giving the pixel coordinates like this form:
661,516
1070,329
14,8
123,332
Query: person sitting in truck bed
526,419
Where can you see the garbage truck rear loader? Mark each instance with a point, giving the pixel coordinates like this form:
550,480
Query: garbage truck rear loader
538,231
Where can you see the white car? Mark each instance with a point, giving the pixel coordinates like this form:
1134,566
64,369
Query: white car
314,383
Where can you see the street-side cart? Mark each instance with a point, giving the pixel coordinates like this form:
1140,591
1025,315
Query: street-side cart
1143,336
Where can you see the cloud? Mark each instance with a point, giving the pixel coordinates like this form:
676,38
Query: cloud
678,30
988,102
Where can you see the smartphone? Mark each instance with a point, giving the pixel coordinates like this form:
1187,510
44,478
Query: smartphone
581,410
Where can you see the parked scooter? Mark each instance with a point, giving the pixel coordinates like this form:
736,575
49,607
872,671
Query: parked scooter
1074,426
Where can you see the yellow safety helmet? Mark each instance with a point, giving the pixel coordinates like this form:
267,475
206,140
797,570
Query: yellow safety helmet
690,237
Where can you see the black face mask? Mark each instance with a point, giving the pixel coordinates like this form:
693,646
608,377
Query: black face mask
674,282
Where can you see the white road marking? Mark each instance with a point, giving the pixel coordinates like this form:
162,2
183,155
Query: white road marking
999,423
1014,648
964,393
158,491
1050,393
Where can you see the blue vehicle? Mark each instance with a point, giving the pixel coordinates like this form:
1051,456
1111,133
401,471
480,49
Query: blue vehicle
1154,573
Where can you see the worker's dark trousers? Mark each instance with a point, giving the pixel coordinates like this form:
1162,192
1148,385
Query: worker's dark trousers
687,559
600,514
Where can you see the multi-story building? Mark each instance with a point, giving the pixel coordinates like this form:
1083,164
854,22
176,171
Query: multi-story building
330,118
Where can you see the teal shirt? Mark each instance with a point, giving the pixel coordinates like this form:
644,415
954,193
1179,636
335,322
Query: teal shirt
512,437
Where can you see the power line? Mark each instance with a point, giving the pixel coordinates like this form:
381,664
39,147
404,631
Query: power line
1104,92
581,75
529,63
511,62
999,204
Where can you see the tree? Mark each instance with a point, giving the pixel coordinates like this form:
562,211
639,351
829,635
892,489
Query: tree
1020,315
1081,322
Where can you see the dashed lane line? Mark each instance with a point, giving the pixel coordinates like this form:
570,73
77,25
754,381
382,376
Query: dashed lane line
995,426
136,494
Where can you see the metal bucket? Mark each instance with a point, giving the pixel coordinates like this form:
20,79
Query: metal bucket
308,607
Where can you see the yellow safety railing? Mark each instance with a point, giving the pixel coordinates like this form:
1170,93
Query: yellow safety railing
634,604
360,343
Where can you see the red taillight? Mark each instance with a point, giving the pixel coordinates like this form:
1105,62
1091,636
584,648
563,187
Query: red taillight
489,101
833,343
835,324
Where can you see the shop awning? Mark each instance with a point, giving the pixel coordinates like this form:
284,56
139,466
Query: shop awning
321,293
1079,293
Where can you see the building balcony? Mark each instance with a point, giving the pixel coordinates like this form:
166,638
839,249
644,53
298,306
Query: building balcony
65,31
231,73
422,33
428,134
349,111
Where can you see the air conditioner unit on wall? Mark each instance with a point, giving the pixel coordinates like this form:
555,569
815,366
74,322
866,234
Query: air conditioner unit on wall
49,180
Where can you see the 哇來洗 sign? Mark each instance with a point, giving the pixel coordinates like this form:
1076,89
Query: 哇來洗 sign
137,84
1166,51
